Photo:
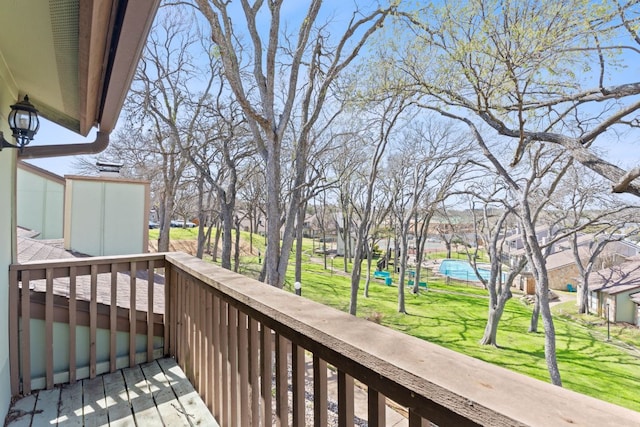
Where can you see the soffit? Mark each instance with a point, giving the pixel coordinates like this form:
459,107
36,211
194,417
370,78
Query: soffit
39,45
74,58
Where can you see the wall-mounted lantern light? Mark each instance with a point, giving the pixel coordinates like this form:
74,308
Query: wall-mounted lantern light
24,123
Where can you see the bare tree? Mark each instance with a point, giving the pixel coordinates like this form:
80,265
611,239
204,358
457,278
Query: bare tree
513,70
219,153
594,219
495,210
429,160
162,109
312,60
385,115
516,69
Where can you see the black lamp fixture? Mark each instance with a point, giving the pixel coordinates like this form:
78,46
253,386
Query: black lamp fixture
24,123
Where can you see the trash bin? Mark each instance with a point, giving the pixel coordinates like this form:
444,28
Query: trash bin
388,281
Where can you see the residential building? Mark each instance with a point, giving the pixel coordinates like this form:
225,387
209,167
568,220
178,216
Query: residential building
613,292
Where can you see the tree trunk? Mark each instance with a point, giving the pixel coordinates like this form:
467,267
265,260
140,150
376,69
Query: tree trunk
496,309
535,314
227,227
368,278
165,224
491,328
355,280
203,236
345,240
236,256
251,230
272,253
299,226
538,263
202,217
549,340
403,269
584,298
216,242
209,236
324,248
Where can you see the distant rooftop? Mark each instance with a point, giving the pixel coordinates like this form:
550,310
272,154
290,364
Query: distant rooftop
30,249
621,278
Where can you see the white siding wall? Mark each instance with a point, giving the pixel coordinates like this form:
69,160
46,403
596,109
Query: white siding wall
106,216
40,204
8,96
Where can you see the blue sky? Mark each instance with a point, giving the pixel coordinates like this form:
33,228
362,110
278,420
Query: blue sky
624,150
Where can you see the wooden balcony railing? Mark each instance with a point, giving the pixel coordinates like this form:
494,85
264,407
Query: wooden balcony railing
81,292
256,354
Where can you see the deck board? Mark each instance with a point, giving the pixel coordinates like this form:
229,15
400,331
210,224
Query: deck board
195,409
70,411
46,407
154,394
168,405
95,404
142,403
117,398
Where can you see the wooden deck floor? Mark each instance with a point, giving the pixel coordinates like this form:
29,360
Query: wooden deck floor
153,394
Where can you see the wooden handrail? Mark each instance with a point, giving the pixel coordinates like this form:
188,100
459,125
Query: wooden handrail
433,383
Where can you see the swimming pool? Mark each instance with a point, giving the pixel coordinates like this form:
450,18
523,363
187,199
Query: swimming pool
462,270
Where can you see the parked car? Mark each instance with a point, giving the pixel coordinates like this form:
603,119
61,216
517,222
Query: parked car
153,225
181,224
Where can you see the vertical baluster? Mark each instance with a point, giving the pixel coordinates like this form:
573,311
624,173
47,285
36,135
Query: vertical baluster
224,356
72,323
48,329
113,319
133,314
345,399
416,420
217,363
298,386
170,323
376,408
243,362
266,375
319,392
195,333
150,298
188,355
202,313
254,371
93,321
177,333
26,334
233,364
282,381
14,341
204,341
181,316
209,350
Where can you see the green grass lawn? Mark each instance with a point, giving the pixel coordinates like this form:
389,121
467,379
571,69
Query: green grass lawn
453,316
176,233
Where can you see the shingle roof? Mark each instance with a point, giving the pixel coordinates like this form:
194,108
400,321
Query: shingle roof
40,250
30,249
621,278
